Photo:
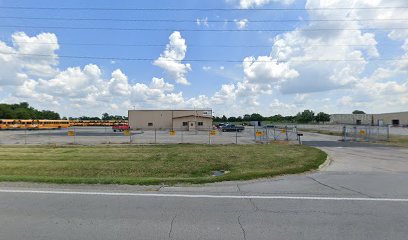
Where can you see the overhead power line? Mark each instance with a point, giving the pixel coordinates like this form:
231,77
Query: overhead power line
197,9
200,60
190,45
200,30
206,20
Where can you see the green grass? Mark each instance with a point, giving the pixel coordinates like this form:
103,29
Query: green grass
163,164
400,141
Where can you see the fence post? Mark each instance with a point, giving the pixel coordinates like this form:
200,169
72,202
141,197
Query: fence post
274,133
155,136
74,136
388,132
296,132
209,135
266,133
344,133
254,133
236,136
369,134
25,136
286,132
106,136
182,136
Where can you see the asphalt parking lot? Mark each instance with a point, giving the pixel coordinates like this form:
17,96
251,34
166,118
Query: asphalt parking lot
105,135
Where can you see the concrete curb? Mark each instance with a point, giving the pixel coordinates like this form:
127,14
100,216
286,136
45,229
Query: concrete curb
327,163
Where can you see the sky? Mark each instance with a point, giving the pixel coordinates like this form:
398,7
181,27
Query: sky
233,56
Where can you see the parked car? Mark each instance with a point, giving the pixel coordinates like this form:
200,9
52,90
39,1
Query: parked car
220,125
120,128
232,128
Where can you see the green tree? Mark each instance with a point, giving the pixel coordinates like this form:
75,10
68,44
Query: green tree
224,118
306,116
232,119
247,117
45,114
322,117
256,117
24,111
106,116
358,112
24,105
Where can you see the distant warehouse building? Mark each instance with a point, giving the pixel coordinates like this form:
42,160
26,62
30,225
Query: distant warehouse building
186,120
383,119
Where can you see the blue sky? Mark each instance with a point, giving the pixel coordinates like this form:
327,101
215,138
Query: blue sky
272,72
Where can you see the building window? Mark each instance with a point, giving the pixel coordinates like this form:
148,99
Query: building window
200,124
185,124
150,124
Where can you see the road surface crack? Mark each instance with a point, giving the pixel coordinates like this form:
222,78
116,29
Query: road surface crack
238,189
242,228
256,209
171,227
322,183
355,191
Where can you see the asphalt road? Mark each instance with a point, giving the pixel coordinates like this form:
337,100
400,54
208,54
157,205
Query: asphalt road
361,194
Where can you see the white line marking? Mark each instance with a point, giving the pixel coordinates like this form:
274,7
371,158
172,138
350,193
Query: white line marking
204,196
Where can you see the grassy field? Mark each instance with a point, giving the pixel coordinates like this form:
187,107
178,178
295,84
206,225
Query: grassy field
163,164
401,141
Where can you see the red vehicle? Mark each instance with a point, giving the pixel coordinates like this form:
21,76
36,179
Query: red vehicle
120,128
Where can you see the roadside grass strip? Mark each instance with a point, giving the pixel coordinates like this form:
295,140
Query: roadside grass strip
149,165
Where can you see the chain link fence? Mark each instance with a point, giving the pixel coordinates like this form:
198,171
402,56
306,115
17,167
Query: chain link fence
365,133
276,133
105,135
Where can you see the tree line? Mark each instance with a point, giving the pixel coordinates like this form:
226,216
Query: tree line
307,116
105,117
24,111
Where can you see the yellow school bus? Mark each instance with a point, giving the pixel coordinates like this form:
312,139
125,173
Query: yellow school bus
52,124
10,124
27,124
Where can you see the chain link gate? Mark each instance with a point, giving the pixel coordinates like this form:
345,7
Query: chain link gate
276,133
365,133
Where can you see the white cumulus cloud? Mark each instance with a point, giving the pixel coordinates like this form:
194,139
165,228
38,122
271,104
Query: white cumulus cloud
264,69
171,59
